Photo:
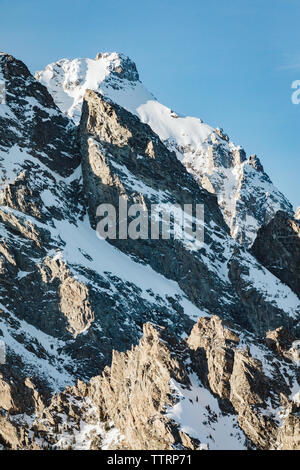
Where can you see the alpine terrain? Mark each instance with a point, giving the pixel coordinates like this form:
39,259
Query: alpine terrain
146,343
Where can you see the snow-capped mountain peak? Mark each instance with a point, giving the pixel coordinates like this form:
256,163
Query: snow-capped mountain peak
110,73
246,195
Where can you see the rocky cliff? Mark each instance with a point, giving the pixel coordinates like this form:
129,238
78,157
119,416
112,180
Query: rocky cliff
277,247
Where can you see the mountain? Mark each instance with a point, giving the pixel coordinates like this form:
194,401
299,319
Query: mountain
195,344
247,197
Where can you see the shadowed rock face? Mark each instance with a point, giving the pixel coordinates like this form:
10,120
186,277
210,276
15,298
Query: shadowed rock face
122,157
34,121
114,144
277,247
68,300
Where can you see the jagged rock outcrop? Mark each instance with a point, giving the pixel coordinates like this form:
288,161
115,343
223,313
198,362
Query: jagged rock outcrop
135,391
246,195
250,389
74,296
130,397
277,246
279,340
234,376
213,355
134,403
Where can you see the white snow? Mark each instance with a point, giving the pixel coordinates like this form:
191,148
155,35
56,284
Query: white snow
67,80
199,415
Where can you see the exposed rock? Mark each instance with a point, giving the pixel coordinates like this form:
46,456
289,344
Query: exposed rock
249,390
213,356
116,163
128,406
254,161
221,134
279,340
132,394
144,375
74,296
234,376
289,432
35,121
277,247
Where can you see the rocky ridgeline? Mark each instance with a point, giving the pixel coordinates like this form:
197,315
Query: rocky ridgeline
72,304
133,398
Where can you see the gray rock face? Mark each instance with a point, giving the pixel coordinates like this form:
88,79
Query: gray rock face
69,299
277,246
31,118
58,303
116,163
115,144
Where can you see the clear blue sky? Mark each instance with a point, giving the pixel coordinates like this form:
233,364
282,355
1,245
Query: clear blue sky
229,62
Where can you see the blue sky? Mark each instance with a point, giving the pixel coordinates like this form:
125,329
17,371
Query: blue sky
229,62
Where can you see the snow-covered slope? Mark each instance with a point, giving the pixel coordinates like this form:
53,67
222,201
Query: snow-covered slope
114,75
246,195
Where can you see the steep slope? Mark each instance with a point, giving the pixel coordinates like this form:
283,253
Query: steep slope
116,163
246,195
